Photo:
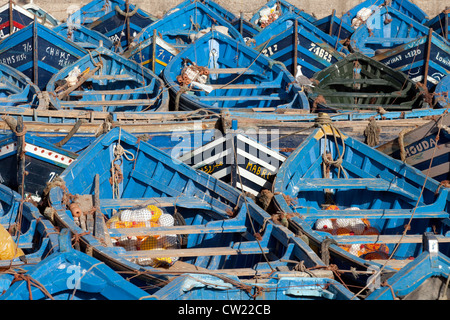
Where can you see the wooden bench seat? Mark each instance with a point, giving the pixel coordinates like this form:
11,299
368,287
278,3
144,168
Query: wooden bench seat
193,252
198,229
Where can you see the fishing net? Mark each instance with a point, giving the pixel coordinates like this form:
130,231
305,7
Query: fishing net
351,227
148,217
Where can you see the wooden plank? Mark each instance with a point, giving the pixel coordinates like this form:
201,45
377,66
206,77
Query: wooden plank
112,92
83,79
395,94
236,98
185,202
393,263
375,214
192,252
385,239
314,184
359,81
100,230
231,70
244,86
130,102
199,229
122,77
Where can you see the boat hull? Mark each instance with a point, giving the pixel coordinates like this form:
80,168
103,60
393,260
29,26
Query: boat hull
38,52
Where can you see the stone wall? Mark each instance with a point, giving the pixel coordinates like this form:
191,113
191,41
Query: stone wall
157,7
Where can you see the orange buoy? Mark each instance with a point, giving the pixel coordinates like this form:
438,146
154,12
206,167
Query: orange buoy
75,210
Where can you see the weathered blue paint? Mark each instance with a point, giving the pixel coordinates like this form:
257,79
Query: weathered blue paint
114,24
364,184
284,7
93,10
279,287
43,16
112,83
216,214
441,94
17,89
315,49
38,52
174,32
35,235
43,160
82,36
410,58
404,6
73,275
441,24
334,26
411,279
259,82
386,29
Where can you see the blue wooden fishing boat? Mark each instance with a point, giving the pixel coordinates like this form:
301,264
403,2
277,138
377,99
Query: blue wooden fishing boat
204,225
38,52
239,160
122,24
14,17
424,278
367,7
215,82
93,10
75,130
315,50
386,29
274,9
42,160
359,208
245,27
82,36
175,32
359,82
43,16
425,60
335,26
279,287
441,93
212,5
440,24
27,237
16,89
69,274
424,147
104,81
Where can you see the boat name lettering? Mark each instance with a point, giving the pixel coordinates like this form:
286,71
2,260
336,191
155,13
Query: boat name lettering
397,58
258,170
393,60
3,35
13,58
413,53
422,146
444,60
415,43
320,52
57,53
114,38
27,47
270,50
210,168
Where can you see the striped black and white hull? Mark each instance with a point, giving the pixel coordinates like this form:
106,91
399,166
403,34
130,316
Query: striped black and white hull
238,160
